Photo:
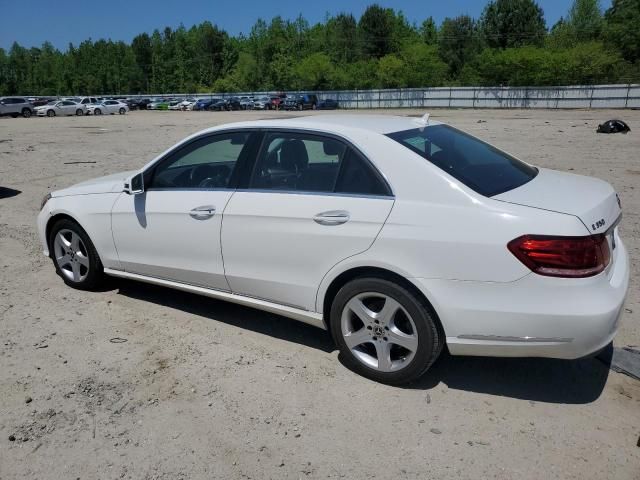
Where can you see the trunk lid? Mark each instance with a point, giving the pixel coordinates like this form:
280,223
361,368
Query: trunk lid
592,200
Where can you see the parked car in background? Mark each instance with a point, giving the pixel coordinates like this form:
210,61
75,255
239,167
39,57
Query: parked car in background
108,107
301,102
159,104
42,101
202,104
218,104
60,107
233,103
143,102
187,104
327,104
246,103
262,103
15,106
400,236
276,102
174,105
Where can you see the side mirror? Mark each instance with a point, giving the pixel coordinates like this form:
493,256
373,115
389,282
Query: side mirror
134,185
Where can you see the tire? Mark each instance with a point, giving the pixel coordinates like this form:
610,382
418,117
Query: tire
74,256
300,107
26,113
79,112
314,106
410,322
97,111
122,111
51,113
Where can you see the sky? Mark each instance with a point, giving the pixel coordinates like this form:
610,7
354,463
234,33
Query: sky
32,22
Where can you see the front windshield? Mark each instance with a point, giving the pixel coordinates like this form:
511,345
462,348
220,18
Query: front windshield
478,165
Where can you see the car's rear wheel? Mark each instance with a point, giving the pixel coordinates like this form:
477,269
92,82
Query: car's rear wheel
122,111
74,256
79,112
97,111
26,112
51,113
384,331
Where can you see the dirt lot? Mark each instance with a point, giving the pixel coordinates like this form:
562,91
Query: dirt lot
201,389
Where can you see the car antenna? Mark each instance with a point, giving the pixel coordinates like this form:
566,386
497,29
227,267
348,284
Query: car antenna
423,121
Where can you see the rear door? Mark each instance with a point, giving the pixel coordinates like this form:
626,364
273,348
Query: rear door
311,202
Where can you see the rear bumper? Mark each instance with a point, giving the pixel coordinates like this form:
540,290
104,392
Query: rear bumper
535,316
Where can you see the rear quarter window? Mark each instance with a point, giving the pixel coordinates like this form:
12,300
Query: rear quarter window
478,165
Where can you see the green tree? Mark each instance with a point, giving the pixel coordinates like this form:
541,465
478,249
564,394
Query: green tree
315,71
585,20
429,31
622,31
375,31
512,23
457,42
391,72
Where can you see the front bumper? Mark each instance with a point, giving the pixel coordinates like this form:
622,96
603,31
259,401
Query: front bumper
535,316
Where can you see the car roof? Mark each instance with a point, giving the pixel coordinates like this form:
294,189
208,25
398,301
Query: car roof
382,124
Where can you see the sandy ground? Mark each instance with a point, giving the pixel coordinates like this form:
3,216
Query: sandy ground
204,389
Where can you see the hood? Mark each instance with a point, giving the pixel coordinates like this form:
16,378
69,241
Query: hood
593,201
106,184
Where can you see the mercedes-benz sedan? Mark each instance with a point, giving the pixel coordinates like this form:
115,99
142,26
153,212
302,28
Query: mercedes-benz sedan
399,235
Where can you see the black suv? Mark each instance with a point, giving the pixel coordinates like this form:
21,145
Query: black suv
301,102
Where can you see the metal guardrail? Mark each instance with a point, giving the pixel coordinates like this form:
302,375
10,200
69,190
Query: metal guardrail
587,96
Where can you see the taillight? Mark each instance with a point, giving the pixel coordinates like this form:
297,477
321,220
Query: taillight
573,257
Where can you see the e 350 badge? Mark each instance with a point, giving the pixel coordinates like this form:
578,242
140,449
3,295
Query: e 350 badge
600,223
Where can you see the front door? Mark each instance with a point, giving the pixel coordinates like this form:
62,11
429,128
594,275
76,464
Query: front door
172,230
312,202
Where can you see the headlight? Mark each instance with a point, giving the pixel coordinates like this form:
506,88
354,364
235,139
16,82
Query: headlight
45,200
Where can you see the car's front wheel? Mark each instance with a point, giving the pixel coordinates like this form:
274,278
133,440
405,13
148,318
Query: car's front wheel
79,112
74,256
122,111
51,113
26,112
97,111
384,331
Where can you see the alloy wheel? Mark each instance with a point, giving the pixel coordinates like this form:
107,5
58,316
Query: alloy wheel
379,331
71,255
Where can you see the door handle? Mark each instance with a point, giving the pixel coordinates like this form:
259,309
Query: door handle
332,217
203,212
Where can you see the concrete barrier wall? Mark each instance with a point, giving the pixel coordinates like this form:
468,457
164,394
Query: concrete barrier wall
576,96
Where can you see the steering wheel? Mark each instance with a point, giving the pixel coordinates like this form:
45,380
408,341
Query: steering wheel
208,176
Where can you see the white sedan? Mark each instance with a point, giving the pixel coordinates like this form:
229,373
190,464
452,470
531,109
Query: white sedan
60,107
107,107
398,235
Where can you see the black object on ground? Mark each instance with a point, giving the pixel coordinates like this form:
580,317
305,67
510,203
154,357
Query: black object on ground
613,126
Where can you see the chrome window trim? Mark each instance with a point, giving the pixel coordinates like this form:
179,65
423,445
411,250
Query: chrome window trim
316,193
278,129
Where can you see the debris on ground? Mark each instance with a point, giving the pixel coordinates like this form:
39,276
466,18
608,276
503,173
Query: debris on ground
613,126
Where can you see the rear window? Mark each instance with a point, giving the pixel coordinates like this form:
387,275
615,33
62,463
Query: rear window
478,165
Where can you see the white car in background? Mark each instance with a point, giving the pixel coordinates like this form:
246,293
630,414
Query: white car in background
262,103
397,234
186,104
108,107
60,108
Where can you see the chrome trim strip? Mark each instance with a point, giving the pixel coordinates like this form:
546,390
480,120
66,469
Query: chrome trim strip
310,318
326,194
499,338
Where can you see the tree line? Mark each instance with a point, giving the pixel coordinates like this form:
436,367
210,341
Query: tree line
510,44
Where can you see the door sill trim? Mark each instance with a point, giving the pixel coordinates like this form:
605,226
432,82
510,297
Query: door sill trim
310,318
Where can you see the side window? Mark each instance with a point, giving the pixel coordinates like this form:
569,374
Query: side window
204,163
357,176
298,161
